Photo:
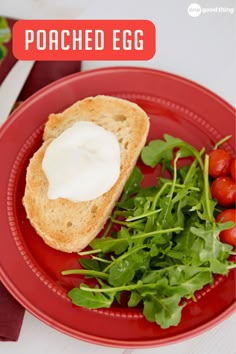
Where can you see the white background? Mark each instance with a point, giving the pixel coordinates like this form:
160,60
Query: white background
201,49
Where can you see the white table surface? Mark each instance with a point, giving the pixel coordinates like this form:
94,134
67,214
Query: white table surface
201,49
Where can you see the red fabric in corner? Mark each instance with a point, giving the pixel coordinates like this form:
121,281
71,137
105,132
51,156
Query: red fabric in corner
11,316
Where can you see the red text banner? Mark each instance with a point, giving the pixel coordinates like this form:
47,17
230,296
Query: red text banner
84,40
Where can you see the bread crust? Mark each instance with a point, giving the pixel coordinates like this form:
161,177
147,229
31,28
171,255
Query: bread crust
69,226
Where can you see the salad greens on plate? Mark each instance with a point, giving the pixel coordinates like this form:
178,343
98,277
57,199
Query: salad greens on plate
162,242
5,36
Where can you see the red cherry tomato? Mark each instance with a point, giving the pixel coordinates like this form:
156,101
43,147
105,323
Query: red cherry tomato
229,235
223,189
219,163
233,169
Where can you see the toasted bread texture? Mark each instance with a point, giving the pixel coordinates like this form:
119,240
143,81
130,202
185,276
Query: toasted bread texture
69,226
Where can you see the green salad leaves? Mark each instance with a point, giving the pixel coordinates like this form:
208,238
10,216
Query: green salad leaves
166,245
5,36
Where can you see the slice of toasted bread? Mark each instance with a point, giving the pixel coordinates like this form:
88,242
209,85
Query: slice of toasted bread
69,226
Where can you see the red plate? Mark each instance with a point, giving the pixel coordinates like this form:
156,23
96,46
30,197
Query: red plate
31,270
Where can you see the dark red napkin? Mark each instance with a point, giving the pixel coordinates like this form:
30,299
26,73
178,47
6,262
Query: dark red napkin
43,73
11,316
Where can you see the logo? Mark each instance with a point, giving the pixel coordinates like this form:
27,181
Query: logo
194,10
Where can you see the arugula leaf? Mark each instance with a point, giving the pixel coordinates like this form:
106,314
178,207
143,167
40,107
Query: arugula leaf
91,264
132,185
156,151
135,299
218,267
121,273
110,245
91,300
162,151
166,311
189,286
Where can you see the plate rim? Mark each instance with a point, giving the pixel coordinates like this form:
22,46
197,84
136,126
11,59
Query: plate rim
91,72
114,343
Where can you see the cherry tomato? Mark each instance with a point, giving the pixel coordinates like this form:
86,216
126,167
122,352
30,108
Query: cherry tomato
233,169
219,163
229,235
223,189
